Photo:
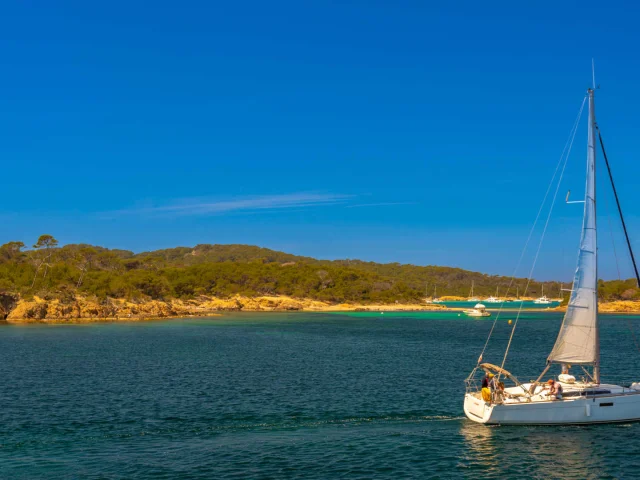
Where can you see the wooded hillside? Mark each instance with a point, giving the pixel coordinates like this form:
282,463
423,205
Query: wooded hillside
51,271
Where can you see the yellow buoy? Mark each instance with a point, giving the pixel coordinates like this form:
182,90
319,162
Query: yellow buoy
510,322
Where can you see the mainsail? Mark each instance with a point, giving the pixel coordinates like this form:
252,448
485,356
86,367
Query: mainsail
578,340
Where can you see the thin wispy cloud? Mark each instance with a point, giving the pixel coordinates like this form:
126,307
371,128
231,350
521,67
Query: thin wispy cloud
381,204
190,207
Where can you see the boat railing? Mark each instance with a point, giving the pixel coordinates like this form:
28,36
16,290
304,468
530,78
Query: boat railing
472,385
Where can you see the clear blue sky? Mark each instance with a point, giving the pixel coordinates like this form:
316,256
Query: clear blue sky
415,132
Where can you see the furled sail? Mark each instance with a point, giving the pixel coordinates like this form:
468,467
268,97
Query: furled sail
578,340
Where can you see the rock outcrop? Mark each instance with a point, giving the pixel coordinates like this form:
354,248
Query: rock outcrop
7,303
621,306
82,309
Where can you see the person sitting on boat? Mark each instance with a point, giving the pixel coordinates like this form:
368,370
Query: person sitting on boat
488,386
499,391
555,389
488,381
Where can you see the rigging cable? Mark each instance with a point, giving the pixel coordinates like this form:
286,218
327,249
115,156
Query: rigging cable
535,260
624,227
544,201
615,194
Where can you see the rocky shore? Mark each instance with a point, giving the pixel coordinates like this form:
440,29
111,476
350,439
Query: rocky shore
84,310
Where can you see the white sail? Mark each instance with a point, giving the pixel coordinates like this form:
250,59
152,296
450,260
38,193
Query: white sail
578,340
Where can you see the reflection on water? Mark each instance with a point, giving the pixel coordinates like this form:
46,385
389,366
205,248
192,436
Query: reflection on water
546,451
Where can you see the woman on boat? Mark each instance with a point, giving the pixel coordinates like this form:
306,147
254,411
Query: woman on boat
488,386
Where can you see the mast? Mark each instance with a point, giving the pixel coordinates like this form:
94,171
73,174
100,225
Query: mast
591,183
578,341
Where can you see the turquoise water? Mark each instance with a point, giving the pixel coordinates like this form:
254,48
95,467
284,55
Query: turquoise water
504,306
298,395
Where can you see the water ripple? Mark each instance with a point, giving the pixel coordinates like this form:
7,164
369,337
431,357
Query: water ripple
283,396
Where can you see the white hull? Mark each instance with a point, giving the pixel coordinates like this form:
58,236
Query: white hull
622,407
471,313
542,301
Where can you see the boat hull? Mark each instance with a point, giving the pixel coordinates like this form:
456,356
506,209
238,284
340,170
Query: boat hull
612,409
476,314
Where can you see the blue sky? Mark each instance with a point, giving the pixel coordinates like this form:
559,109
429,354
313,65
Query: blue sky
415,132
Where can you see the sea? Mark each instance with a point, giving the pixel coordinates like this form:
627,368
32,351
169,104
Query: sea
362,395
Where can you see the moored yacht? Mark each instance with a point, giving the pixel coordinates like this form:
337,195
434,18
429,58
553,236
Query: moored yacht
471,298
543,300
478,311
435,298
493,299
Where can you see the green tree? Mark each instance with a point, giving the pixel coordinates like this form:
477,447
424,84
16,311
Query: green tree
11,250
43,251
84,258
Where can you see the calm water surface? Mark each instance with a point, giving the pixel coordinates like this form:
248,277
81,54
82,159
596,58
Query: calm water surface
289,396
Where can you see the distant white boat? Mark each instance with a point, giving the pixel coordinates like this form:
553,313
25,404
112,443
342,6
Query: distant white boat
426,295
518,295
435,297
478,311
543,300
493,299
471,297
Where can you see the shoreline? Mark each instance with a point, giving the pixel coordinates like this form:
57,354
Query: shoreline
84,311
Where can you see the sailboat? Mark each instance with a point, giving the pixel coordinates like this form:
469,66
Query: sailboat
471,297
435,297
426,294
543,300
582,401
518,295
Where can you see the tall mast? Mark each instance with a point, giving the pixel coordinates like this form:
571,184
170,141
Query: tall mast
579,340
590,202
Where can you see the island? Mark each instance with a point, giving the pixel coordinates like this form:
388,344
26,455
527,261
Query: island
84,283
